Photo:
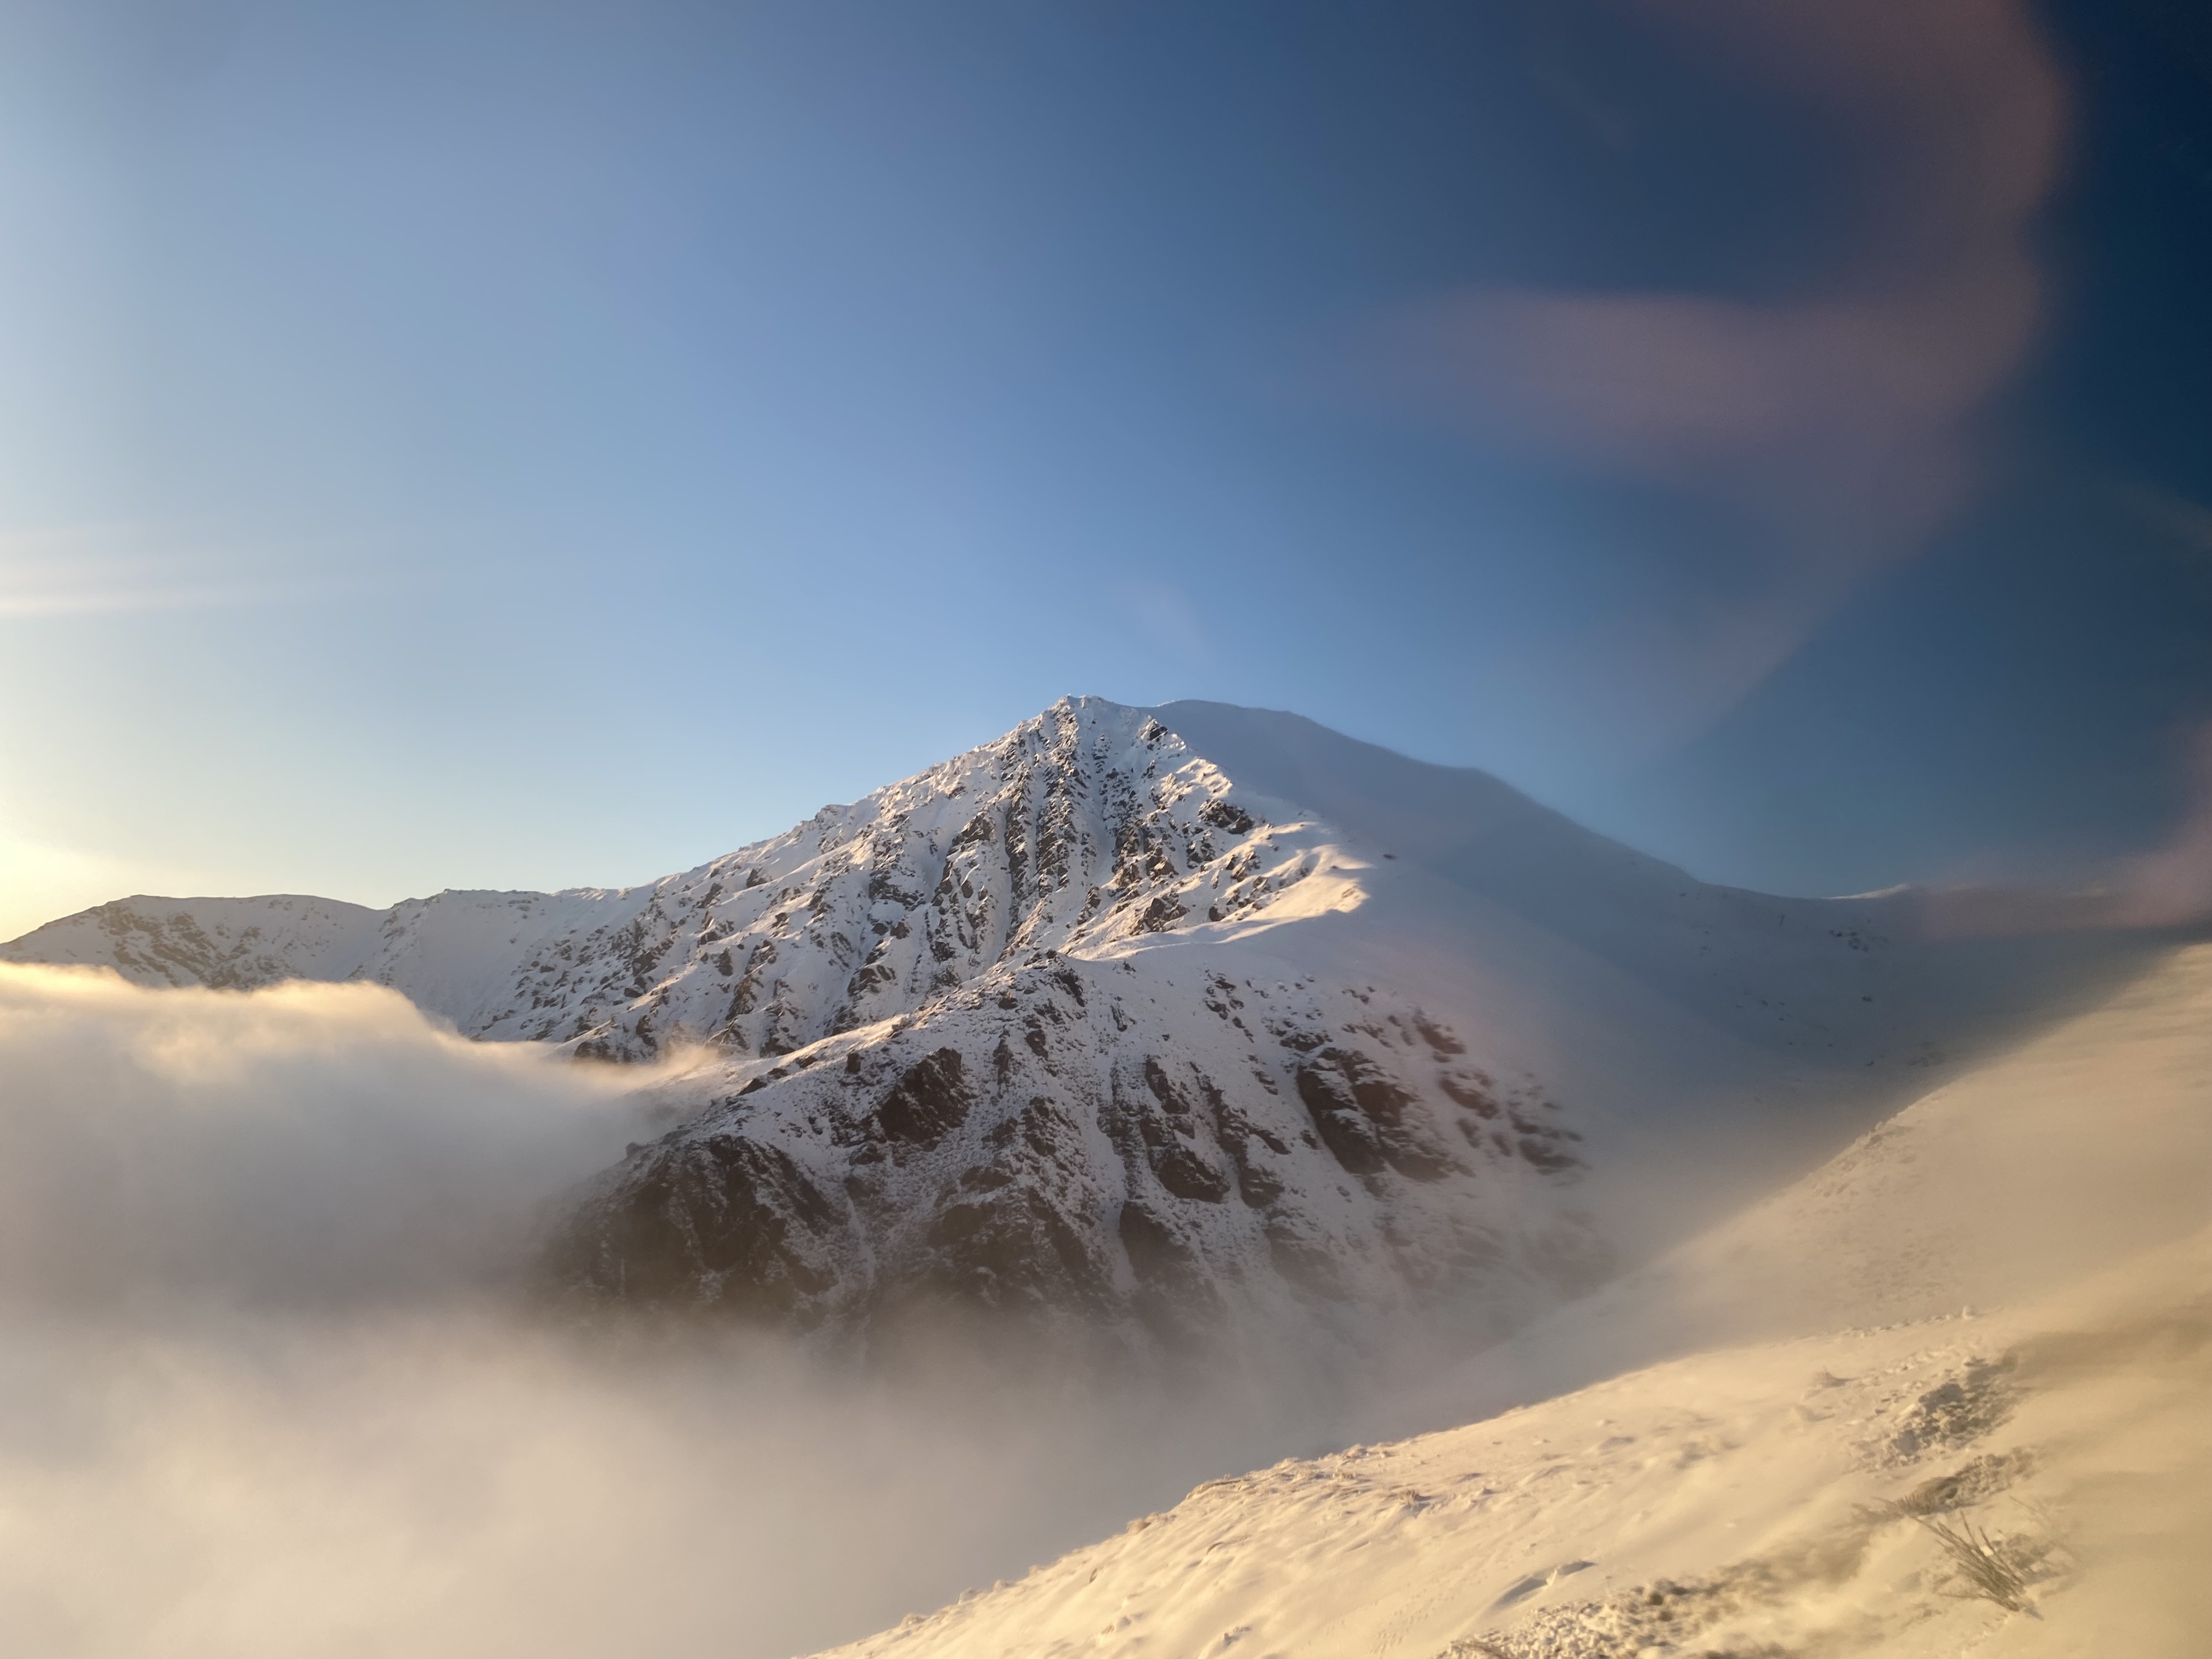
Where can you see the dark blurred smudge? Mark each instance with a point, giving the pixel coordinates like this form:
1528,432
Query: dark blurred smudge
1835,425
2169,886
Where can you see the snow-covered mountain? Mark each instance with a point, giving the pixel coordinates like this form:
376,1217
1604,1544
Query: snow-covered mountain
1158,1020
1086,829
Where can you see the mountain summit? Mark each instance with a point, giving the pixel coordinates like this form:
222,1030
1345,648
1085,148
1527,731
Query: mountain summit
1158,1021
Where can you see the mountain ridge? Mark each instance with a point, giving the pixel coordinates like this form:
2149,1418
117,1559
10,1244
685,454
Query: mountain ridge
1105,1026
1475,829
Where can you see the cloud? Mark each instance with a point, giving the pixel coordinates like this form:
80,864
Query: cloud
1837,424
84,570
312,1144
271,1381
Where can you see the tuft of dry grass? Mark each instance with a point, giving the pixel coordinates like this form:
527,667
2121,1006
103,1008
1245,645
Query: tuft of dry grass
1990,1569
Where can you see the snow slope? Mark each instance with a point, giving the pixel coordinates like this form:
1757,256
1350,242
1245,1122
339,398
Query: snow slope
2087,1143
1163,1021
1783,1499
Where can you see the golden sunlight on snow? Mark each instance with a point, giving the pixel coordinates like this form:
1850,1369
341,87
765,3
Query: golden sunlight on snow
1890,1471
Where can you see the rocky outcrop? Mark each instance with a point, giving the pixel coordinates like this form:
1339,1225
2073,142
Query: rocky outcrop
1104,1142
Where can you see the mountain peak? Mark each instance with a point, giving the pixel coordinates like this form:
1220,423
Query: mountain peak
1157,1017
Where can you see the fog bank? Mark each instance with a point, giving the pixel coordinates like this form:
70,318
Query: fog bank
268,1386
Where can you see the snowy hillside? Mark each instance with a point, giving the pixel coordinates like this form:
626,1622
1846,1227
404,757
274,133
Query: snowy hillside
1791,1498
1158,1020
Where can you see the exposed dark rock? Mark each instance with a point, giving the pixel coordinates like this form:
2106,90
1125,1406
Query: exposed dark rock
1164,1088
1186,1174
1367,1118
1547,1155
1439,1036
1009,1251
1338,1120
728,1221
1162,913
929,1100
1472,1089
1175,1294
1224,814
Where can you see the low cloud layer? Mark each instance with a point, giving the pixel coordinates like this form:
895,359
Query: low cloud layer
268,1385
459,1483
267,1388
312,1146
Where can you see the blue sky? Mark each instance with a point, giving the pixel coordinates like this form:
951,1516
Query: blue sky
490,444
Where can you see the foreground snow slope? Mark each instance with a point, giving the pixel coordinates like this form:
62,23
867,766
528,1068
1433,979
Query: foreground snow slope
2086,1142
1775,1499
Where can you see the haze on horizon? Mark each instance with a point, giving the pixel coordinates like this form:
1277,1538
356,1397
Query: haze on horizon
476,445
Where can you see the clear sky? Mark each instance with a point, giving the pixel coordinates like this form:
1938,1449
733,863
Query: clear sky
520,443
